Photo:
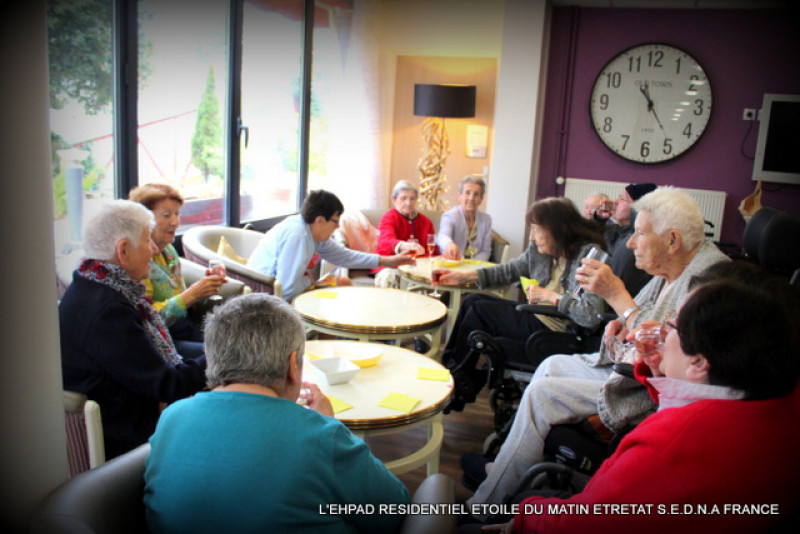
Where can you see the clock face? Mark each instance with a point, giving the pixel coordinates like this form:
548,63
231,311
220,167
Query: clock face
651,103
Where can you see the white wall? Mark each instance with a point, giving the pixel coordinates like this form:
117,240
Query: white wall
33,456
515,32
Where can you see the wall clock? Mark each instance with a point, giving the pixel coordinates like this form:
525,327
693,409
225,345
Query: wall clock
651,103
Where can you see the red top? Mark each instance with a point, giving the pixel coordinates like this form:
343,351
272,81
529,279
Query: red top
395,227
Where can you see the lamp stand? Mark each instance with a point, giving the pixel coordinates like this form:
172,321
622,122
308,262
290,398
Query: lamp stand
433,183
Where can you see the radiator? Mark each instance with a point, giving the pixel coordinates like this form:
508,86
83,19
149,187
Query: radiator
712,203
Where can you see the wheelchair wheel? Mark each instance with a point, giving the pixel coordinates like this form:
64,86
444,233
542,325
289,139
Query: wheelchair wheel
491,445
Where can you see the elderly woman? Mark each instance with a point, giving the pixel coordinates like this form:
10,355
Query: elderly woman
259,461
165,284
115,347
399,226
560,238
464,231
728,370
669,244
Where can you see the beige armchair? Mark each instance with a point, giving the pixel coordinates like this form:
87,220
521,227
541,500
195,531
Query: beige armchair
201,243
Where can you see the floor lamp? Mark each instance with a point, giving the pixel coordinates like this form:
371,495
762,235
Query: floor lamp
437,102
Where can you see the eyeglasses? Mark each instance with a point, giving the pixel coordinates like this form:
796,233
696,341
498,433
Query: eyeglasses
334,221
670,325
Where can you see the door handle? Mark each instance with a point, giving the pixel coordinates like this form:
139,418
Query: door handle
242,128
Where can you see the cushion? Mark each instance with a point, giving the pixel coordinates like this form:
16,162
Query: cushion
226,251
359,233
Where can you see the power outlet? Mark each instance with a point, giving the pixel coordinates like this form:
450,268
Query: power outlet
748,114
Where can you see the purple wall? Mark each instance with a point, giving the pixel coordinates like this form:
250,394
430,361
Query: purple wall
745,54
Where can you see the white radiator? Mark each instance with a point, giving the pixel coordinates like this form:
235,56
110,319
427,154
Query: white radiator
712,203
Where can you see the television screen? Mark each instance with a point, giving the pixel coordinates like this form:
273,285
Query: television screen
778,146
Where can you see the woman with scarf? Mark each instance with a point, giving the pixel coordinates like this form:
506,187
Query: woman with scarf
115,347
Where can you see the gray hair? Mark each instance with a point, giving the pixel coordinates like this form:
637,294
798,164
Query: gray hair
114,221
472,179
404,185
249,340
673,209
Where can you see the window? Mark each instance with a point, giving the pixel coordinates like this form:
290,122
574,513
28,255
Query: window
216,108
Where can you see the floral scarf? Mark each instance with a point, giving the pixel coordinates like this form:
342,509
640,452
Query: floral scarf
116,278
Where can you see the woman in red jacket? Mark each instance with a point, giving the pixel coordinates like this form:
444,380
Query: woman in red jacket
720,455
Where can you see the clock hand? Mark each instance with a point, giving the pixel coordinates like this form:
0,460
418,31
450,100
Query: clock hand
646,94
657,119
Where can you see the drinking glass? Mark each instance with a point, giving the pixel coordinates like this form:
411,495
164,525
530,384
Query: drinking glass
414,241
431,243
594,254
436,274
218,268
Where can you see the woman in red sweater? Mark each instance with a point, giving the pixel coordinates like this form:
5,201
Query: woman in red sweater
720,455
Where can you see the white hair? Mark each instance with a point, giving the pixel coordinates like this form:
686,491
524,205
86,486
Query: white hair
250,338
673,209
472,179
114,221
404,185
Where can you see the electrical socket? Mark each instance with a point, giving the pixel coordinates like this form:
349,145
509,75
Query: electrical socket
748,114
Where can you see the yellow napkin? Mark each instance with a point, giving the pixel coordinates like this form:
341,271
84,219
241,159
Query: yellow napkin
426,373
450,263
398,401
472,262
338,404
325,294
527,282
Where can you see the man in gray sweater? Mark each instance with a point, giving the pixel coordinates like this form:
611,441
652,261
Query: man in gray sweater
669,243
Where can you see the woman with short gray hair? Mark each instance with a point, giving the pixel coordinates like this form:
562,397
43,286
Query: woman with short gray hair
115,347
266,463
465,232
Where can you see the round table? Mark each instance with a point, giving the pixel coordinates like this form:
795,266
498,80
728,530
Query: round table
419,277
372,313
396,372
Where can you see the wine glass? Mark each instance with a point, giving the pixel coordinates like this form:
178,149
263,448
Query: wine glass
431,243
218,268
414,241
436,274
594,254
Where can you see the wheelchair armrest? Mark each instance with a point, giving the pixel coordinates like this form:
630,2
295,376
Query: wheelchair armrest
538,474
541,309
624,369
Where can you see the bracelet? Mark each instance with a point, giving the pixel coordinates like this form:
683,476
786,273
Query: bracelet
630,311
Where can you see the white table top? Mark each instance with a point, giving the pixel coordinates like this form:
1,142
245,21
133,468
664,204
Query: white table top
370,310
396,372
421,272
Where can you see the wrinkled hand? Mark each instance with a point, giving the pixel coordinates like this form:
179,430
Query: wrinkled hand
453,278
597,277
451,251
407,246
206,287
404,258
540,295
316,400
645,350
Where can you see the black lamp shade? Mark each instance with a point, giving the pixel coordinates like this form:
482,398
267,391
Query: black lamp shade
444,100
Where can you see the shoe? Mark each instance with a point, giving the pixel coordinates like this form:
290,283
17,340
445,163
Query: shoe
421,345
474,466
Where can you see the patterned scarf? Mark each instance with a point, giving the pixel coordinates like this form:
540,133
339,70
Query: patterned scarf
118,279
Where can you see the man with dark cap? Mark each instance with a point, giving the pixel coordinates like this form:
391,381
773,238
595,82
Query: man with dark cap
617,233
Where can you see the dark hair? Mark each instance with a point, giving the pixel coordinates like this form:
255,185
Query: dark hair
148,195
745,324
320,202
569,229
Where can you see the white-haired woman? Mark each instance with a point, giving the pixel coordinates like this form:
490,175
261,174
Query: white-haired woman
398,226
464,231
258,461
115,347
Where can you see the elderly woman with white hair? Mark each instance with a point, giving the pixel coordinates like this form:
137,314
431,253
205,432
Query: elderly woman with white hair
464,231
668,243
259,461
115,347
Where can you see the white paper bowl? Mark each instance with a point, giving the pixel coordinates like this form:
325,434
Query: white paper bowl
335,370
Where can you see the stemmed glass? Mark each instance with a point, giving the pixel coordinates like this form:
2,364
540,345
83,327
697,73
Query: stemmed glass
414,250
218,268
431,244
594,254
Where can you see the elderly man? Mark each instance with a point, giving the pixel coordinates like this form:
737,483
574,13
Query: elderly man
246,457
597,207
290,250
669,244
115,347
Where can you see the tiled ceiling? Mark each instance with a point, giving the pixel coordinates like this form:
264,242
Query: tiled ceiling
677,4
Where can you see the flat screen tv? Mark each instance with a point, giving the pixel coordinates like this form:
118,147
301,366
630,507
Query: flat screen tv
778,147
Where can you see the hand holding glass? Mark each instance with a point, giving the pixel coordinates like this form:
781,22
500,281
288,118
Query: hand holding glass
216,267
594,254
415,247
436,273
